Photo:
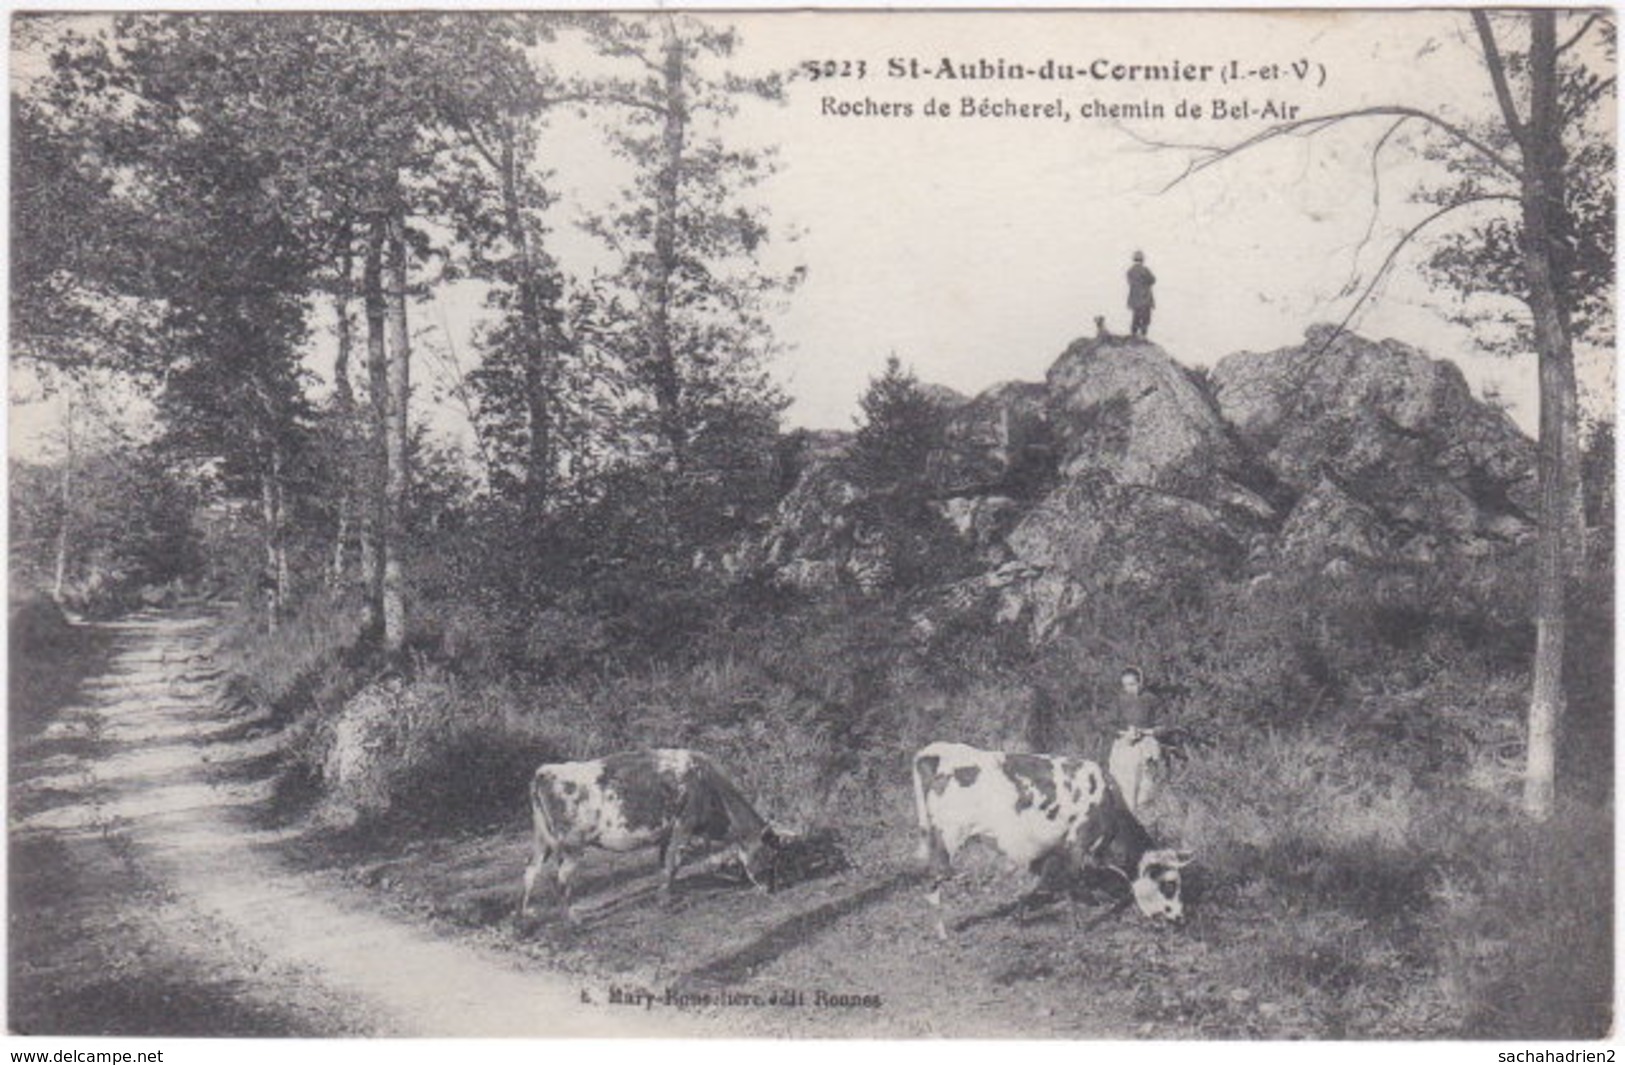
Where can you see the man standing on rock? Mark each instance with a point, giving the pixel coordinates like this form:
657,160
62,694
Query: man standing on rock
1140,300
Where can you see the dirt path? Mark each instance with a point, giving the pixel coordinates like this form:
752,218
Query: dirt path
142,903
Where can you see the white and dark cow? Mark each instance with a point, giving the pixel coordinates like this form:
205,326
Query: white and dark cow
1035,808
1142,759
658,798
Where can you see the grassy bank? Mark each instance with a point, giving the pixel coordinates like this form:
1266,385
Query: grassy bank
49,658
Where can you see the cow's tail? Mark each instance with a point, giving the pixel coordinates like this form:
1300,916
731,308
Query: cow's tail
543,831
544,838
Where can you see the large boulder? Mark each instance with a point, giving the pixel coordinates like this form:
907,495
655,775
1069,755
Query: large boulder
1396,431
998,440
1327,525
817,518
1151,486
1122,407
830,533
816,536
369,748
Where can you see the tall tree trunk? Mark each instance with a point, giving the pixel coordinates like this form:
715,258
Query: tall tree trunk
64,530
279,532
538,380
344,402
1565,389
374,490
1542,178
1547,162
662,355
272,583
341,537
397,479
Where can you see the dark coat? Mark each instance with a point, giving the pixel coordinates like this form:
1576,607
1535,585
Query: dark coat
1134,711
1140,281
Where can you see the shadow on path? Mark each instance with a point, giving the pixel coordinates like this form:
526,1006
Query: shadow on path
793,933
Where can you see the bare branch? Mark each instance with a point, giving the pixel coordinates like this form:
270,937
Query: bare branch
563,98
1399,245
626,51
471,135
627,100
458,387
1376,187
1581,32
1498,75
1319,123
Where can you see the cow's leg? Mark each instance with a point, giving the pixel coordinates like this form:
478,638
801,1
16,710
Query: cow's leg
939,867
934,897
671,859
538,862
566,871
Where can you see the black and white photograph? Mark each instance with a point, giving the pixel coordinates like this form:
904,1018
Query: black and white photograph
1088,525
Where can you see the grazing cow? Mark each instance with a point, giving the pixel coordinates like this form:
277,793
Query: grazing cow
659,798
1033,808
1141,760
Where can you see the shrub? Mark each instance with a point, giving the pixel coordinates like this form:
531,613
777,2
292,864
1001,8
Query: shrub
48,659
901,425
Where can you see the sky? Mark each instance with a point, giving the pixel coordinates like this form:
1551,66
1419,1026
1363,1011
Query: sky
976,248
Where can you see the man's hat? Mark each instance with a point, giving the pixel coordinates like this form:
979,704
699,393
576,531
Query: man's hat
1139,256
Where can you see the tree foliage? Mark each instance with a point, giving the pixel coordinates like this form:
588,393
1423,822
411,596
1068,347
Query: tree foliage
898,427
684,310
1483,257
197,189
130,522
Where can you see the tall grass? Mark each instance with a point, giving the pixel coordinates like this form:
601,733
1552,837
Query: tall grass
1395,902
313,661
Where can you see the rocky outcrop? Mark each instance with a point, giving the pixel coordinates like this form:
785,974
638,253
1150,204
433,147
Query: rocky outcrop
997,441
815,533
982,522
1395,430
1327,524
1149,485
1124,471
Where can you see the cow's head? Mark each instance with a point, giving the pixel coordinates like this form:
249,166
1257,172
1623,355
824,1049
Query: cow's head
1156,888
759,855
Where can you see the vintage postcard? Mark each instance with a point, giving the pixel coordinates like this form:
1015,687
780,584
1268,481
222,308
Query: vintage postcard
1084,525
